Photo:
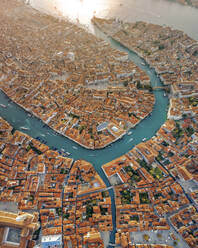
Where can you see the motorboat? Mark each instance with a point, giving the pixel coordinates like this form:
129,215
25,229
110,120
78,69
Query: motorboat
143,139
24,128
131,139
2,105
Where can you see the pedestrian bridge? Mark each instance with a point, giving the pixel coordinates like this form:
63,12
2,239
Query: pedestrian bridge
159,88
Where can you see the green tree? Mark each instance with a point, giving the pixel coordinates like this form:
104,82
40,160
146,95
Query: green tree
161,46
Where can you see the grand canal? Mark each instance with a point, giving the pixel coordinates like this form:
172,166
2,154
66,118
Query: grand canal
34,127
154,11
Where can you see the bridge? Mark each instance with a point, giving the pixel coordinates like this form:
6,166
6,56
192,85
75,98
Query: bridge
114,245
160,88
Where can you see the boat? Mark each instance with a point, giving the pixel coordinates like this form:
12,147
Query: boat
129,133
130,140
142,63
2,105
75,147
164,94
24,128
64,154
143,139
43,135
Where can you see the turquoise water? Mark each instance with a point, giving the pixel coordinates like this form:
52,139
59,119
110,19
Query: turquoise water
18,118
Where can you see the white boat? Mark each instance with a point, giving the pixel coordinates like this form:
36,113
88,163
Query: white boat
75,147
142,63
24,128
130,140
68,153
2,105
129,133
43,135
164,94
143,139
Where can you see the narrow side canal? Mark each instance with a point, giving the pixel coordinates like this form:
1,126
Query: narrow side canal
20,119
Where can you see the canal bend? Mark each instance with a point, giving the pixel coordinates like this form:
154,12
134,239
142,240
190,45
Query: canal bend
147,128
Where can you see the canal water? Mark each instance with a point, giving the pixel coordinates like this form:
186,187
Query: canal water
155,11
20,119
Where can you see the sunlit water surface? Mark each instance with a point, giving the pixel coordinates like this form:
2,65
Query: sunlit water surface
161,12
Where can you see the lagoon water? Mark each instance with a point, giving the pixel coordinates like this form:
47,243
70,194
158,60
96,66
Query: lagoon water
163,12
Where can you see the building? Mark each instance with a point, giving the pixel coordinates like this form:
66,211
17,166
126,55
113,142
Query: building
52,241
17,229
